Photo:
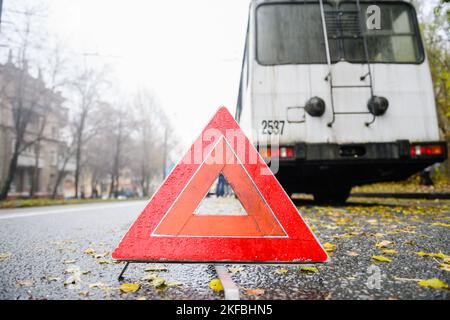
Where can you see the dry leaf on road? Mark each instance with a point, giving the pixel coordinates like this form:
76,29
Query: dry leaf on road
434,283
216,285
329,247
129,287
281,270
309,269
5,255
383,244
254,292
381,259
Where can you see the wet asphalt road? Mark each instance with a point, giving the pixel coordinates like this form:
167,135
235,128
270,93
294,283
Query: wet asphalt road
47,247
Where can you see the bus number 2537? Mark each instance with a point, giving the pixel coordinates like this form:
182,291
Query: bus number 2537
272,127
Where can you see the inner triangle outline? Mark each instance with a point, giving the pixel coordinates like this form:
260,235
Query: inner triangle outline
259,221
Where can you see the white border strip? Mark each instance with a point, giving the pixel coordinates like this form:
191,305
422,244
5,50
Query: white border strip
229,287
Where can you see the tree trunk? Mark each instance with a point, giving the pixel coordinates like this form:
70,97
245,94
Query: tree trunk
11,174
35,173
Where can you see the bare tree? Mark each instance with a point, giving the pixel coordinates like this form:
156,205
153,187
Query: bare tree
154,140
19,92
87,88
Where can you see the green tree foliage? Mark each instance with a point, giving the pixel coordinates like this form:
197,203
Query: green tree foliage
437,37
436,34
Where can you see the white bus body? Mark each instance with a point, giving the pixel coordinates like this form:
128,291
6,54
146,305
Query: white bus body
286,64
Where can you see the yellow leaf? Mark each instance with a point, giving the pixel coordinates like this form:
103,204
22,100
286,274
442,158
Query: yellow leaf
104,262
389,251
216,285
281,270
89,251
254,292
155,269
5,256
158,282
377,234
381,259
434,283
309,269
141,298
383,244
96,285
129,287
440,224
444,266
439,255
329,247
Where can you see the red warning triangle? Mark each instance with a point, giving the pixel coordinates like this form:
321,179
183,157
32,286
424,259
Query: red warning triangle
169,230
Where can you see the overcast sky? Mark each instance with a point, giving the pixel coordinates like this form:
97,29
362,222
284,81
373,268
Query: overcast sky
187,52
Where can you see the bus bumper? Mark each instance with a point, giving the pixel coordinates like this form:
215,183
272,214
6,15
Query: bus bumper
312,165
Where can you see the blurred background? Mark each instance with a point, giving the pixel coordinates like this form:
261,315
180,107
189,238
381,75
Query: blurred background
99,99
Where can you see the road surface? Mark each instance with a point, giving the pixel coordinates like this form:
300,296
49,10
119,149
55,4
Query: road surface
63,252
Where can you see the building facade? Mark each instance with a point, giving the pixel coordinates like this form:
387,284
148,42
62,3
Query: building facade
40,161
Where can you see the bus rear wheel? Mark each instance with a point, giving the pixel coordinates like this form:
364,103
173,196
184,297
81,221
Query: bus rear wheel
332,195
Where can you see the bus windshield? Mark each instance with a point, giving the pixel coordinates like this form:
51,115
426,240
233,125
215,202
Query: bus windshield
293,34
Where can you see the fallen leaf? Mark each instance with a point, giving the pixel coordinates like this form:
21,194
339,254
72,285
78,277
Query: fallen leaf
281,270
389,251
309,269
84,293
383,244
329,247
434,283
96,285
129,287
216,285
174,284
53,279
141,298
377,234
236,270
444,266
69,261
440,224
439,255
70,280
381,259
158,282
89,251
104,262
100,255
25,282
254,292
155,269
73,269
5,255
352,254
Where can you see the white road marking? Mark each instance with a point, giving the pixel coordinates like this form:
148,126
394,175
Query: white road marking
63,210
229,287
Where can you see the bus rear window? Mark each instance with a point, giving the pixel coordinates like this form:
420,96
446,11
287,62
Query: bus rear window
293,34
396,41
